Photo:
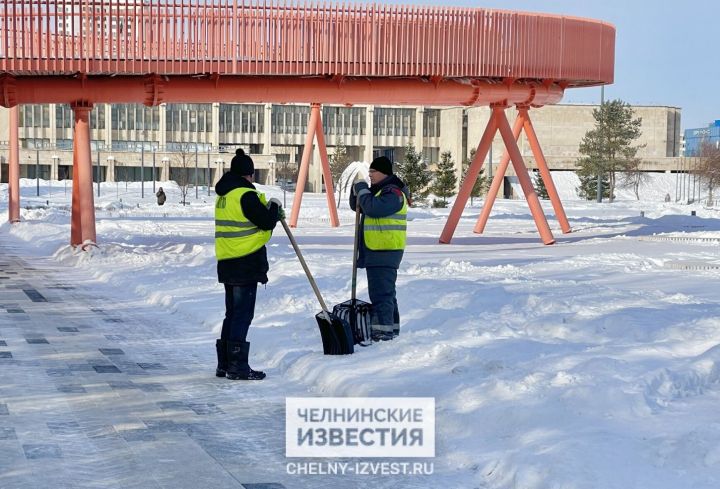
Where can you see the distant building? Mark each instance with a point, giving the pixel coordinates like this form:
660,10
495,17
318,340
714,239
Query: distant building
694,138
132,142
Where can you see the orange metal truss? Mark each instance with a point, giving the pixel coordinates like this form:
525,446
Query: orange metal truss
315,129
84,52
498,123
243,37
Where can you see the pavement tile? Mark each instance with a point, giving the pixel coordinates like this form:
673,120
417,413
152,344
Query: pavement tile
106,369
8,434
37,341
33,451
111,351
154,423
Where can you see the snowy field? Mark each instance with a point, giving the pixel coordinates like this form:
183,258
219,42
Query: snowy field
593,363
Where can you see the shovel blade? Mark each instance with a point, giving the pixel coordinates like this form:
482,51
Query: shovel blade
358,314
336,334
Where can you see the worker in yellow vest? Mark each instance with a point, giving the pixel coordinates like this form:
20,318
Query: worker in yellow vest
383,226
244,221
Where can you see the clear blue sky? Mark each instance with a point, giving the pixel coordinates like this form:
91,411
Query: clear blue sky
666,52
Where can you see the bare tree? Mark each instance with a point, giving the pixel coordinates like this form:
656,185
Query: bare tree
708,168
183,159
632,176
339,161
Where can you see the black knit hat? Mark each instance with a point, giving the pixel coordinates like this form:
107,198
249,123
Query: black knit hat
382,164
242,164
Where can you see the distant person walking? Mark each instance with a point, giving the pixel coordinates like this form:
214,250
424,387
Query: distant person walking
383,233
244,221
161,197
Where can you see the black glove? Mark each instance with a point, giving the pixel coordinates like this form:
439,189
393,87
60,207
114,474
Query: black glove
281,212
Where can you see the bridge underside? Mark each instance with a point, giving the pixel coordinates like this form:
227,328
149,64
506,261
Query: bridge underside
154,89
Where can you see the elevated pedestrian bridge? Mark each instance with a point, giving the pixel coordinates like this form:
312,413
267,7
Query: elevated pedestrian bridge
83,52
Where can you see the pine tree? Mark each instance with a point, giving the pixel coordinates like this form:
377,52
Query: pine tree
540,188
588,184
607,149
415,173
445,178
481,184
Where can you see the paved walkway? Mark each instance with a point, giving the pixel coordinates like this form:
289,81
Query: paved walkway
96,394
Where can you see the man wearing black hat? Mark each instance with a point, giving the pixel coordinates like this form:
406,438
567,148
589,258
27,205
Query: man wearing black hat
383,233
244,220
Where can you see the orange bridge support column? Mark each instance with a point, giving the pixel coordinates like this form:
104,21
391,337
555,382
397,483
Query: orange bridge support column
314,129
82,232
497,182
14,167
522,174
472,175
75,220
327,176
544,170
304,166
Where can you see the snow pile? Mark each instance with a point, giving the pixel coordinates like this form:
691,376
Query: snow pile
589,364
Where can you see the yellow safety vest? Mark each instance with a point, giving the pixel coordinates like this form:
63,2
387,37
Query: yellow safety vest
235,235
386,233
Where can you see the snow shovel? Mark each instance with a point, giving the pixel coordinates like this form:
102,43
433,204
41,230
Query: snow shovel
336,334
356,312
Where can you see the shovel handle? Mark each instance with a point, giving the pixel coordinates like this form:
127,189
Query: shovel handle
307,270
356,243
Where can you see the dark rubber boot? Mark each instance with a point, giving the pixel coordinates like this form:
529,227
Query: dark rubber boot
238,368
221,349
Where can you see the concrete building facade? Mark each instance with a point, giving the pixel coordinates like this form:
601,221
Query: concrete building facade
132,142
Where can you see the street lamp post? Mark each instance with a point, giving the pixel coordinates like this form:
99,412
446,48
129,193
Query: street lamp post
98,172
165,161
142,170
55,159
153,170
602,137
490,163
37,171
207,176
220,166
110,159
196,171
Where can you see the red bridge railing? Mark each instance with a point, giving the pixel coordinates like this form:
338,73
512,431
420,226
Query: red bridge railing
239,37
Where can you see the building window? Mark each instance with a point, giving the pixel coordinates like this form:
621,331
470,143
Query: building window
289,119
63,116
188,118
431,123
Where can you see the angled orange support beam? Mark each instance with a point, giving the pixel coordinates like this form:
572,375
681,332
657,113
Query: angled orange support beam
522,175
82,223
544,170
470,179
14,167
327,176
314,129
497,182
304,165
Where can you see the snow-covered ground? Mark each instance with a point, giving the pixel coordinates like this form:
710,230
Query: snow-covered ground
589,364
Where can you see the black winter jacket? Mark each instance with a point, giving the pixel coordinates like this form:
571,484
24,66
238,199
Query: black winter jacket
252,268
